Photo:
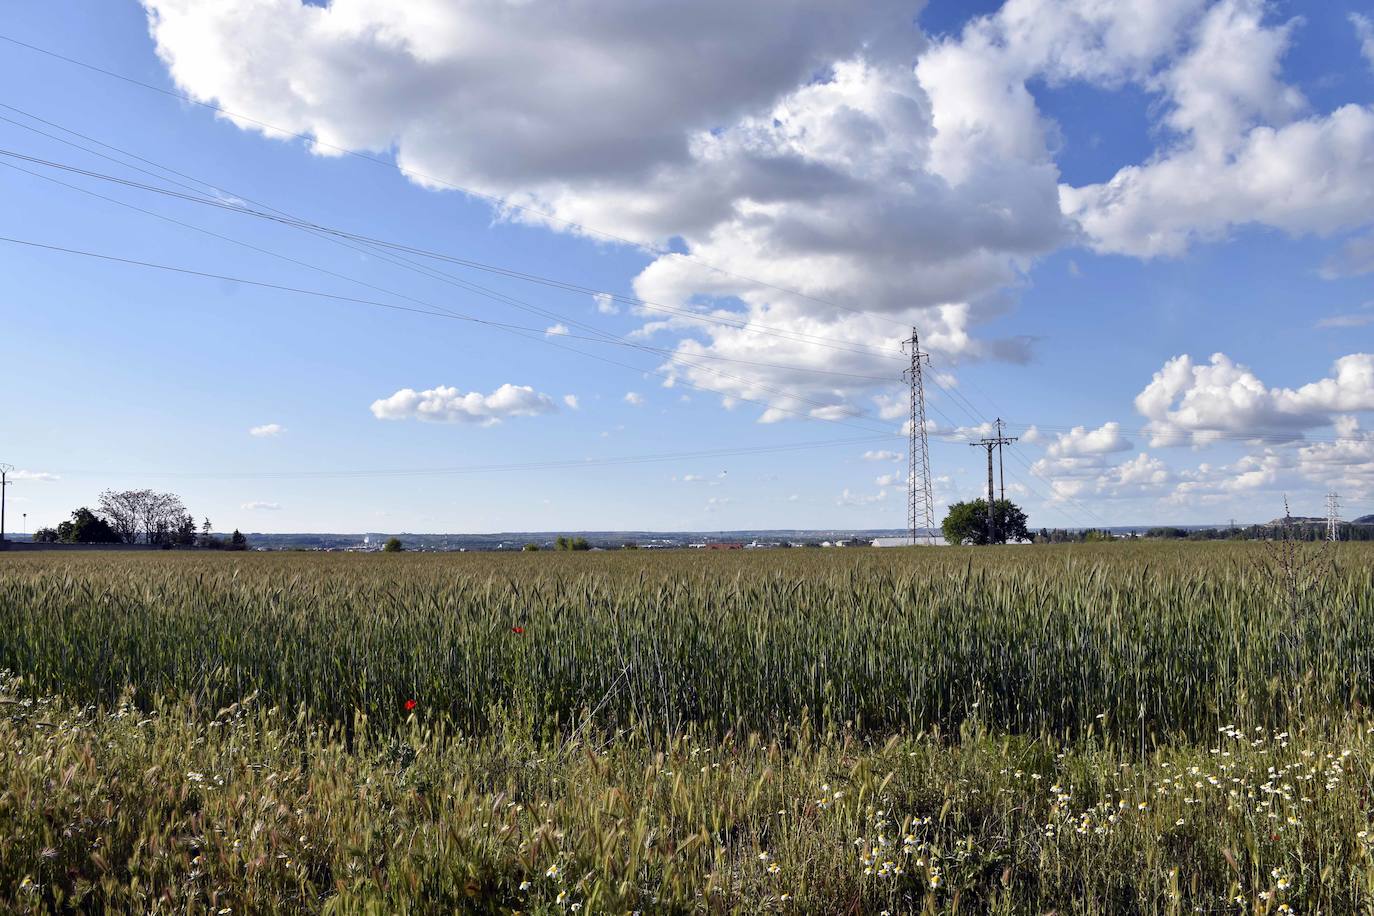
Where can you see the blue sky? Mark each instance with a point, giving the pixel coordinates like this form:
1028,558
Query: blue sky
1079,204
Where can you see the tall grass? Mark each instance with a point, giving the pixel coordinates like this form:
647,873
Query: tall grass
1106,729
1156,641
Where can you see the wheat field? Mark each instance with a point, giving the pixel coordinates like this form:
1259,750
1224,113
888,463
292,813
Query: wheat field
1112,728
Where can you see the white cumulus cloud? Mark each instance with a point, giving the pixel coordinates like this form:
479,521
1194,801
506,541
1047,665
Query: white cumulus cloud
267,430
1246,148
449,405
1199,403
1364,31
787,141
259,506
1082,441
605,304
634,398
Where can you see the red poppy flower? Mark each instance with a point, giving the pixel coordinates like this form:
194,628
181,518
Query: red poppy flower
518,631
410,704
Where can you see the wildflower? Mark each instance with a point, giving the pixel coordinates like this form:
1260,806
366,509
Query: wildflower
410,704
518,631
524,885
773,868
575,907
552,872
562,895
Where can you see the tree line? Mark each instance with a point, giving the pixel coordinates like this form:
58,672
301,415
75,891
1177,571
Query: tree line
138,517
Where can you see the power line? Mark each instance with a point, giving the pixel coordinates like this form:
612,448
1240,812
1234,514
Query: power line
563,464
414,174
450,315
605,337
743,324
675,356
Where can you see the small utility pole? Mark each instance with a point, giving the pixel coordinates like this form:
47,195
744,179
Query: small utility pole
1001,471
4,482
992,516
995,442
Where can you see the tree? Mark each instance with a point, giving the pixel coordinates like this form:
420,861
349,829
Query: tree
86,527
237,541
207,538
566,543
143,513
184,533
121,509
45,536
530,548
967,523
393,545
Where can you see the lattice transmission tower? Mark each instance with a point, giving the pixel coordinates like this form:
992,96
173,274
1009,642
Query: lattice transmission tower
920,495
1333,516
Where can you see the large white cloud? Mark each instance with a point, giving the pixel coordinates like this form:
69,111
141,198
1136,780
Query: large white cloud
1246,149
789,141
449,405
822,148
1200,403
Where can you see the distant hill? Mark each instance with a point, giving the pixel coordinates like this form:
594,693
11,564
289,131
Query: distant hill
1296,520
1363,520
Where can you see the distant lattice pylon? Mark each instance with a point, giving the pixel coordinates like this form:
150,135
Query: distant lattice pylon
920,502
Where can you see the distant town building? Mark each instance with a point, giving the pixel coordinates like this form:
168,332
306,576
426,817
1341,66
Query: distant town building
928,541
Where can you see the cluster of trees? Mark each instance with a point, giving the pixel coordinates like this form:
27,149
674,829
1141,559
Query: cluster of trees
1297,529
138,517
85,527
563,543
968,523
1063,536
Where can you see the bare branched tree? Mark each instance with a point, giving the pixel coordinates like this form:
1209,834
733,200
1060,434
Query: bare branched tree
143,514
123,510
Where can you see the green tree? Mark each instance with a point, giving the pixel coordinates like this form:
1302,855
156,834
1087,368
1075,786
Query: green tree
566,543
967,523
393,545
530,548
237,541
45,536
86,527
183,533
